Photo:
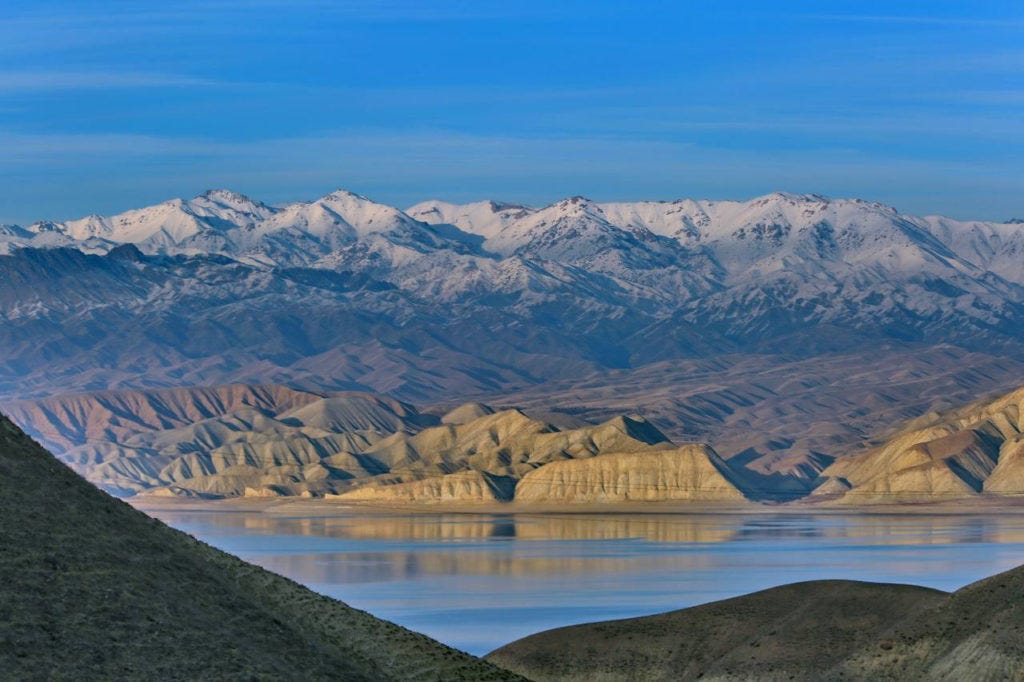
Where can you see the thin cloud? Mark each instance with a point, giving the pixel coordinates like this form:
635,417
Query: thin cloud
16,81
915,20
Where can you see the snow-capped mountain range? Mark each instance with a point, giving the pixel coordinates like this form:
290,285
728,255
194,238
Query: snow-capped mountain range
442,299
720,243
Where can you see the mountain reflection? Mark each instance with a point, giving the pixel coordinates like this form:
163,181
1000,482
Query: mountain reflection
391,566
894,529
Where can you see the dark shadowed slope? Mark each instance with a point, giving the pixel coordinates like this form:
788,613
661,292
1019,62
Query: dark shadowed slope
820,630
803,629
92,589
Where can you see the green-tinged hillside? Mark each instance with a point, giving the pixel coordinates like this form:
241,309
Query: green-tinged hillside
93,589
823,630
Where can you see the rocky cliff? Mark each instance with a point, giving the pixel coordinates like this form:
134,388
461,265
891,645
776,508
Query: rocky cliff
971,451
689,473
461,487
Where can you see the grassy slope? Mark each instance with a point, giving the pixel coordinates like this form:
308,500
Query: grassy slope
92,589
976,634
767,633
824,630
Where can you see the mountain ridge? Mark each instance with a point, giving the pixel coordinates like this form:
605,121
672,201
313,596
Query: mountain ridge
973,450
446,302
172,226
634,281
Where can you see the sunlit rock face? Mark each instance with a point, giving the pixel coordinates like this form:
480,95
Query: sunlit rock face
690,473
971,451
270,441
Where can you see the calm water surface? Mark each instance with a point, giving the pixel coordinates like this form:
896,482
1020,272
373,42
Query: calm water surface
479,581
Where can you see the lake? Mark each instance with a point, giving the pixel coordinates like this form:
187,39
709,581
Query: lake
477,582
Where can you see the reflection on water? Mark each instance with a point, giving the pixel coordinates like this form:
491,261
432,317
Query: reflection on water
479,581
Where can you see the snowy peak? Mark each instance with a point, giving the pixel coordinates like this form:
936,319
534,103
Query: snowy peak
484,218
195,225
230,199
343,195
788,232
676,249
340,215
574,207
578,231
363,215
232,208
158,227
576,203
776,235
345,231
789,199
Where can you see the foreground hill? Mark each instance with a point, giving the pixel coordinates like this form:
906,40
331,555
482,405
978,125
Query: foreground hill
806,631
93,589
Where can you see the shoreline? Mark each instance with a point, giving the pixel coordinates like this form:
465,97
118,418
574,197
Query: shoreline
319,507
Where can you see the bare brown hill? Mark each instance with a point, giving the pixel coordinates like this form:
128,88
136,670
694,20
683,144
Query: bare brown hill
271,441
218,441
784,418
72,419
975,450
778,420
481,460
690,473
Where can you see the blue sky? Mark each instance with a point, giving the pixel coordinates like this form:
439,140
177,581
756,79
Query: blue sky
111,105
